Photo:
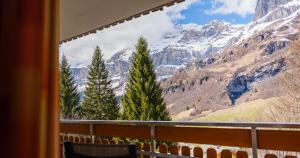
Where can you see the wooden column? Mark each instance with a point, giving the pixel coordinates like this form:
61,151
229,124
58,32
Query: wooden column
29,110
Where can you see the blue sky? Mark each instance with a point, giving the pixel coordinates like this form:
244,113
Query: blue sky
197,13
153,26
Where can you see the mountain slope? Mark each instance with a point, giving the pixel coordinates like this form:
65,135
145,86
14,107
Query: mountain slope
218,65
188,44
244,72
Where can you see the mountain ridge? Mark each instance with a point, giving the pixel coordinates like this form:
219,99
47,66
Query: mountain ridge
236,59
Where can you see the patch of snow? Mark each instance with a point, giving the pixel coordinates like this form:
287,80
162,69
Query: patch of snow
284,39
172,66
121,91
163,77
288,19
160,45
126,55
115,84
110,63
115,78
253,28
292,3
81,88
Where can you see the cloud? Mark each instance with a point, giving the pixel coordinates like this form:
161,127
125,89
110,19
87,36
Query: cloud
152,26
240,7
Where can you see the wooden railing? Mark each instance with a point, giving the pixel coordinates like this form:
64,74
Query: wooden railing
237,140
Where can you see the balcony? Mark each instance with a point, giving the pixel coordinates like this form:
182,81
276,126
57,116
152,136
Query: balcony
222,140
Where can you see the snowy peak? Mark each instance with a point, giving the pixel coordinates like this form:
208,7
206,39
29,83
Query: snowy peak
270,10
263,7
216,26
121,55
204,38
191,26
197,39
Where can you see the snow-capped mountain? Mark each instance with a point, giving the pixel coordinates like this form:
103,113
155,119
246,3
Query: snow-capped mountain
248,72
269,10
188,44
196,45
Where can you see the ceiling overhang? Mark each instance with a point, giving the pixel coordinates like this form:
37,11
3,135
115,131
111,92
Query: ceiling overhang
83,17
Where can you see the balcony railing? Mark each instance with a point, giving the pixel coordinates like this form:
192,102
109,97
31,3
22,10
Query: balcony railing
209,139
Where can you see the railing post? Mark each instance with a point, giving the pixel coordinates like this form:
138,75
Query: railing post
153,143
254,141
92,133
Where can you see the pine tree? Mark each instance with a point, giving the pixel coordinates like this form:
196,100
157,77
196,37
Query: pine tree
69,96
143,96
99,102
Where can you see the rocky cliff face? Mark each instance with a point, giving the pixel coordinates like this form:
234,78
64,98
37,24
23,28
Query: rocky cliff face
263,7
118,64
241,84
271,10
188,44
80,75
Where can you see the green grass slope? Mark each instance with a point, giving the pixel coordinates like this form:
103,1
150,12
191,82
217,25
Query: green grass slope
245,112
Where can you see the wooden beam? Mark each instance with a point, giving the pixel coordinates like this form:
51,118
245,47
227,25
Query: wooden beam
124,131
279,140
75,129
213,136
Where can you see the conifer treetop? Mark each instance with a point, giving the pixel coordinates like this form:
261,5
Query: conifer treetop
99,102
69,96
143,95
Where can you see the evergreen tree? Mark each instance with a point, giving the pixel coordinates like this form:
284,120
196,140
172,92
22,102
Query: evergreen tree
99,102
143,96
69,96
